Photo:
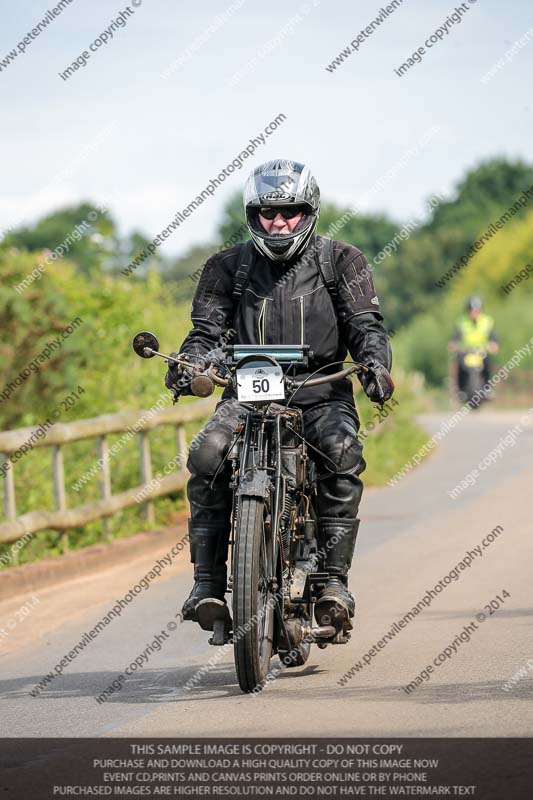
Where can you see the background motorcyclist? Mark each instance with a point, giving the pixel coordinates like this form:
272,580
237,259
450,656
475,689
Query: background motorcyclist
474,332
286,300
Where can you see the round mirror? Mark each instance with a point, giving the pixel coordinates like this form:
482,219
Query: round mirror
144,342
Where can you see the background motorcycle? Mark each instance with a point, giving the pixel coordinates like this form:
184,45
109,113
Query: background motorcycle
471,364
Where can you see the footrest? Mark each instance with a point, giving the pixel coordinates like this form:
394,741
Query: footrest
213,615
221,633
330,612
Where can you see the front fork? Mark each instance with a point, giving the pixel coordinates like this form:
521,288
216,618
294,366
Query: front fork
249,453
295,577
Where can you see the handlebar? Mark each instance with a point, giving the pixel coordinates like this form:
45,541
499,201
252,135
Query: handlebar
293,383
204,379
336,376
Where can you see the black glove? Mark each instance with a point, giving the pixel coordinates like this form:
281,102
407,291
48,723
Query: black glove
377,383
178,379
215,356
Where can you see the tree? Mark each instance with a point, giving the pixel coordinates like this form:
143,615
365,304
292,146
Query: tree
183,272
481,196
85,233
369,232
30,317
421,345
233,225
406,279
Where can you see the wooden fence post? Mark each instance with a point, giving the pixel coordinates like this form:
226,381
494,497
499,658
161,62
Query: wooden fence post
181,444
146,474
10,506
60,496
104,479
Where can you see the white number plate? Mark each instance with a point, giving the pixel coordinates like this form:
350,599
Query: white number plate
260,383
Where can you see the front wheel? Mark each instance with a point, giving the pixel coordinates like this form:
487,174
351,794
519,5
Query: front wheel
474,386
253,600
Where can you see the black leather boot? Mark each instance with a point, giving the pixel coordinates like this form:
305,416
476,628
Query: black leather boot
335,604
208,543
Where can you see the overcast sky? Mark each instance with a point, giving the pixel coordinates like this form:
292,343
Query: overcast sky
118,132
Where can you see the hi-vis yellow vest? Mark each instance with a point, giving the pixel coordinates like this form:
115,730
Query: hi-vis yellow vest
475,334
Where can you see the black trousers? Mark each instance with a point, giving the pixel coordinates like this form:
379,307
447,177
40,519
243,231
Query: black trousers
331,427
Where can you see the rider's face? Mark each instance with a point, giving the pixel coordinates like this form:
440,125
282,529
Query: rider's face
474,313
279,225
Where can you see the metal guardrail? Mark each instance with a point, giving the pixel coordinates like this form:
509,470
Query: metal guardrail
63,518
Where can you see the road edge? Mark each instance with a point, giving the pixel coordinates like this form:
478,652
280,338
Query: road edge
50,571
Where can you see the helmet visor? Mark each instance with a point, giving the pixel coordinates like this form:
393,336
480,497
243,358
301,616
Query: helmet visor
276,188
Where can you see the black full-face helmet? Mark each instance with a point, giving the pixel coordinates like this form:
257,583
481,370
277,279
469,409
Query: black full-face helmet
283,184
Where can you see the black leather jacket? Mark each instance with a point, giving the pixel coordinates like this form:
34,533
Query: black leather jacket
287,303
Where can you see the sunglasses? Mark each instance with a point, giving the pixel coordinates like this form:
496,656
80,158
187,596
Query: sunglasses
287,212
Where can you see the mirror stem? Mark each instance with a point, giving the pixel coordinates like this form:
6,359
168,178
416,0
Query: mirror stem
169,358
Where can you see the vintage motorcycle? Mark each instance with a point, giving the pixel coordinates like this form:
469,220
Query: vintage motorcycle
276,571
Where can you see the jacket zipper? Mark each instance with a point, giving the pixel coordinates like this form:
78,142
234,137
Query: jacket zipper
302,323
261,322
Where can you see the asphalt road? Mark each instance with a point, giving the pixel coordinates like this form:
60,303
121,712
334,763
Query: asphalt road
412,535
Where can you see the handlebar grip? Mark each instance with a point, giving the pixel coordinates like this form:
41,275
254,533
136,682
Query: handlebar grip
203,383
202,386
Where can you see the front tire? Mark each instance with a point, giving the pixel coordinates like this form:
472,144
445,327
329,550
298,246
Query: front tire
473,390
253,602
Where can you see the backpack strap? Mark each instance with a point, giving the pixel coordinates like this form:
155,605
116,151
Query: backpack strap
326,265
324,260
244,267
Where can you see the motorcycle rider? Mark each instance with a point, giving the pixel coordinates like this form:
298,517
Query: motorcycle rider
286,300
474,331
